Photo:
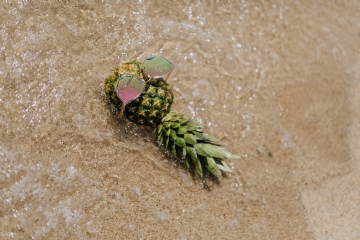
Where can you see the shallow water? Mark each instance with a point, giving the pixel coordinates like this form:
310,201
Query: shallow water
279,82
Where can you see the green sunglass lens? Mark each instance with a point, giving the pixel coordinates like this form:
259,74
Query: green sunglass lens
156,67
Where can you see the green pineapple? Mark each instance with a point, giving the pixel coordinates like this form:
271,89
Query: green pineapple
175,131
152,105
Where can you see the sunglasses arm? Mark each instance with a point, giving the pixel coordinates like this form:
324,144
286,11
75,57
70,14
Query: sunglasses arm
121,115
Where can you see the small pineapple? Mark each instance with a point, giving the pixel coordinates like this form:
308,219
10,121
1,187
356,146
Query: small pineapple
152,105
175,131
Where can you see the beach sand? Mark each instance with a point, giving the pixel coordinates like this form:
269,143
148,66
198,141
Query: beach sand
277,81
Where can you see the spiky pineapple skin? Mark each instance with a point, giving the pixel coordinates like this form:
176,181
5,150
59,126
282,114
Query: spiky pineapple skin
151,106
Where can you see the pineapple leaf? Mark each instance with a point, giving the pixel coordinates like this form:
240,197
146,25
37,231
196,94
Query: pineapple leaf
182,130
190,139
167,124
201,150
172,134
174,150
208,150
211,165
193,127
175,125
183,121
166,131
223,166
187,165
175,118
166,143
209,138
160,127
178,140
167,118
197,164
183,155
160,139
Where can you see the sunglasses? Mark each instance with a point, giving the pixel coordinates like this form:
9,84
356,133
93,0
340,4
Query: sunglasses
129,87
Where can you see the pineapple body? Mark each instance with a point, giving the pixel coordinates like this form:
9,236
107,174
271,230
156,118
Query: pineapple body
151,106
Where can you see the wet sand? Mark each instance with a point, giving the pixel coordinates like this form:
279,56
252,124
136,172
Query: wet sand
279,82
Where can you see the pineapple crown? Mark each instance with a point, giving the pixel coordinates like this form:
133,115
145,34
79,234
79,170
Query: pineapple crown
186,141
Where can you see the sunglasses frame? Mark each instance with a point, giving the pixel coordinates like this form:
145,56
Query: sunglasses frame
143,80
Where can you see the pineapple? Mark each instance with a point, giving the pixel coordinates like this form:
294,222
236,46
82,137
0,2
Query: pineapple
152,105
175,132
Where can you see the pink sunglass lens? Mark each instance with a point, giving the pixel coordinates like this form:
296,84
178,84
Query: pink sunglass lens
128,88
